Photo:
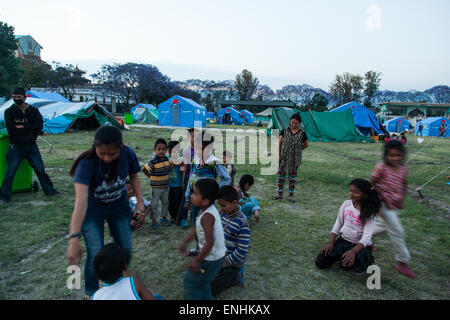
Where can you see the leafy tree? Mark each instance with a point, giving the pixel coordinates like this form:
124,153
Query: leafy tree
246,84
9,64
347,87
139,82
67,78
317,103
372,80
35,74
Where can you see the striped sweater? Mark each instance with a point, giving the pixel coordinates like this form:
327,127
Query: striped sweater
237,238
159,172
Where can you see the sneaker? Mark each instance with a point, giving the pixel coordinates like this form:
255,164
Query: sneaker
405,270
184,224
164,221
155,225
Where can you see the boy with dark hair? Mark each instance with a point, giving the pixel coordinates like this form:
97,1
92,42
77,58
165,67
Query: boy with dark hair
205,165
157,170
237,240
110,266
176,180
211,242
24,123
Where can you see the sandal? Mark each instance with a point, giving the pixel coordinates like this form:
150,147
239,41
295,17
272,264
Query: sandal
277,197
291,200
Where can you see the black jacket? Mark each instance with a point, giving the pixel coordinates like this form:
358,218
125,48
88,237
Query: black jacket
32,121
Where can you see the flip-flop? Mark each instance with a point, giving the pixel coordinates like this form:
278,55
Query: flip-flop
291,200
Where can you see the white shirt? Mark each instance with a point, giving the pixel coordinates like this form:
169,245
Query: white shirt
122,289
218,249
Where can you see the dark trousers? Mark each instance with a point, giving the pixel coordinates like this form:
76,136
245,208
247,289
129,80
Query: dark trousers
14,157
183,212
175,196
363,258
226,277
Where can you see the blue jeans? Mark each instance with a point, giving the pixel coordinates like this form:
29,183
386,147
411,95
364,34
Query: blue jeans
250,207
93,234
197,285
14,157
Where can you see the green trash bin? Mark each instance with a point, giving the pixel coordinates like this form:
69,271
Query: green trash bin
23,180
128,118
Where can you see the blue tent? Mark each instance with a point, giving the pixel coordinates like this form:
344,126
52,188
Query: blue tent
52,96
431,126
143,105
179,111
210,115
229,115
247,116
365,120
397,124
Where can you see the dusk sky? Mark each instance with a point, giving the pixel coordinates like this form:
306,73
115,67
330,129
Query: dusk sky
281,42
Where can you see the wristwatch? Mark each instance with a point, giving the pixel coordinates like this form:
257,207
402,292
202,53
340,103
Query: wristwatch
74,235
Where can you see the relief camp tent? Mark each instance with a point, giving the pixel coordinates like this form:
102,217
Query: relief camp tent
264,116
397,124
145,115
52,96
431,126
247,116
59,117
320,126
179,111
142,105
366,121
229,115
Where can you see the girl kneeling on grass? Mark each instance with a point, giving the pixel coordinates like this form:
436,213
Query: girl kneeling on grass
354,226
100,175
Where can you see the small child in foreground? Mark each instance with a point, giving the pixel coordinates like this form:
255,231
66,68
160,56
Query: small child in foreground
354,226
389,179
237,240
249,204
134,223
110,267
211,242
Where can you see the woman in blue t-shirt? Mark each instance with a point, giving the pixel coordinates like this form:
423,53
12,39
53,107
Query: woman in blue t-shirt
100,175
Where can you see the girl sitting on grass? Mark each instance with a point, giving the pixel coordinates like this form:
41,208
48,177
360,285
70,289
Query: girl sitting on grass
354,226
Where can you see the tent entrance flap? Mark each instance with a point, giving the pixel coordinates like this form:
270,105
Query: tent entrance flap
85,123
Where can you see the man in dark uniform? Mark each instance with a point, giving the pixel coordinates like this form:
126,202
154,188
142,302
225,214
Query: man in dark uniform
24,123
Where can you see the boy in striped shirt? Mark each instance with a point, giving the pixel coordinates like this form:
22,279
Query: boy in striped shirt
157,170
237,240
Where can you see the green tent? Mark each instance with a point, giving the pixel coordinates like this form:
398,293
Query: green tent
145,115
321,126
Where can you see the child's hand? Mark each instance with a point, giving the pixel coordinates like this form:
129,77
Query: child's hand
181,248
188,206
327,249
349,258
194,265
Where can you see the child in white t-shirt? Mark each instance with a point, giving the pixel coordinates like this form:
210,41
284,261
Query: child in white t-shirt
211,242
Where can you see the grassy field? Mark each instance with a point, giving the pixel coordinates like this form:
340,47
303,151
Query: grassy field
280,263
